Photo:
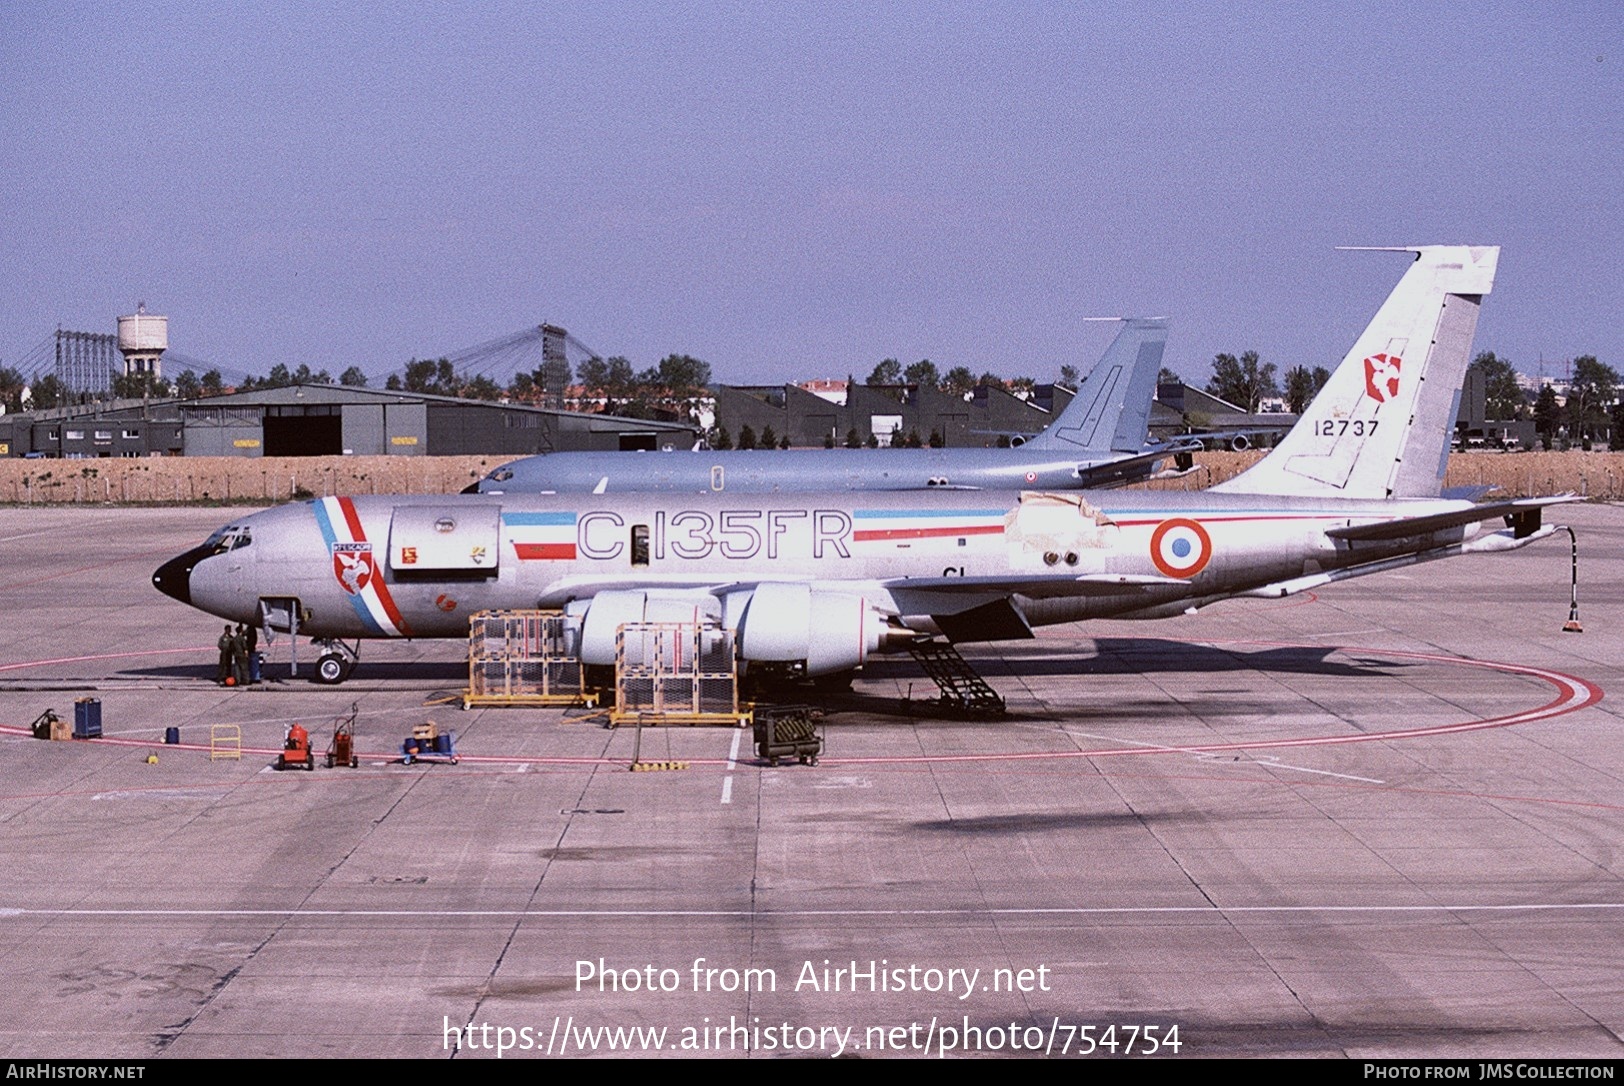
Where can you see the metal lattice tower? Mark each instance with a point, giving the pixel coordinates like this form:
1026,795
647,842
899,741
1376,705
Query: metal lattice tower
86,362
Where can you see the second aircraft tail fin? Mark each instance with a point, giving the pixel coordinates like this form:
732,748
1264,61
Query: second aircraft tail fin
1112,408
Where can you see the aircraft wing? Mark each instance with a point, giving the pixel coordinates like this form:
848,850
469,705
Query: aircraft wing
1523,514
1036,585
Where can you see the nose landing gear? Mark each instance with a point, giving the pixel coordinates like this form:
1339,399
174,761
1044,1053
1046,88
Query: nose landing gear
336,662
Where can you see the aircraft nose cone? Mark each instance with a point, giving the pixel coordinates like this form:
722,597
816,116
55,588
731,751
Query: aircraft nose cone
174,578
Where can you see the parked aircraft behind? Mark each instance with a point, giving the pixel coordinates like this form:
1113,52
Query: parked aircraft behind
816,582
1098,440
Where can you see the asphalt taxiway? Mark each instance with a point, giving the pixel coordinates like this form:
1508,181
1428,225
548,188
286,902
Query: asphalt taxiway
1381,821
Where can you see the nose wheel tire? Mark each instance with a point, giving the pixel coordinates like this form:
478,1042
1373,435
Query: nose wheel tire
332,669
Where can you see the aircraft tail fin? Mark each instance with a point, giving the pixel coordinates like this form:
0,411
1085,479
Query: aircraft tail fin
1380,427
1112,408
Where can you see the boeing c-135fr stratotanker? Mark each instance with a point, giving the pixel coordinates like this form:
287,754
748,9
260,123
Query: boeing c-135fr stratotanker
821,580
1098,440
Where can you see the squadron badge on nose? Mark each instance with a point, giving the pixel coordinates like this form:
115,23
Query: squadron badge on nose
353,566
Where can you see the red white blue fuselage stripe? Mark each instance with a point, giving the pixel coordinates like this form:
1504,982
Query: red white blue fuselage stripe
340,524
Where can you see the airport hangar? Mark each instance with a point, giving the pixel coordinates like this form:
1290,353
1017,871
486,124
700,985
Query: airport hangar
326,420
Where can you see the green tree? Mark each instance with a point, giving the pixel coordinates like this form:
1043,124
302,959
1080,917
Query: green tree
1068,376
936,440
828,440
353,378
187,386
1503,397
769,438
1299,388
137,386
481,388
721,439
888,372
923,373
1594,386
854,440
11,388
913,441
213,383
747,437
594,375
431,377
959,381
1547,415
1242,381
523,388
615,379
683,375
47,392
783,442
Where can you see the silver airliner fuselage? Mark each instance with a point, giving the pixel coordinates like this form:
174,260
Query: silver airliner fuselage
419,566
819,580
771,471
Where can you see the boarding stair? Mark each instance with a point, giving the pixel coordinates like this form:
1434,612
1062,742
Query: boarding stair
962,689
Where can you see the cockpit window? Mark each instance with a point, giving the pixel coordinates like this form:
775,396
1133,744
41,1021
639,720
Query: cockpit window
501,475
227,539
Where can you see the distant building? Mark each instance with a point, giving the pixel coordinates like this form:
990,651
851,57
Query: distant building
325,420
813,416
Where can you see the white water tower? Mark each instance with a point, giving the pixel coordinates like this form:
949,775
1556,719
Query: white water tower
142,340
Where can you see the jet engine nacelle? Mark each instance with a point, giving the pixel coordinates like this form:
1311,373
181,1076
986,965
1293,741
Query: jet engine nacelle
776,623
602,616
793,623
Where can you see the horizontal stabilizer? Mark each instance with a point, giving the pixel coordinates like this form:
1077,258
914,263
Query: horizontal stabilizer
1522,513
1129,469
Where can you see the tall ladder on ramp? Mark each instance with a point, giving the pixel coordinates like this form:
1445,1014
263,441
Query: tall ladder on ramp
962,689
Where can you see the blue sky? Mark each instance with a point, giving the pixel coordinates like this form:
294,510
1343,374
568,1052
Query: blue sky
792,193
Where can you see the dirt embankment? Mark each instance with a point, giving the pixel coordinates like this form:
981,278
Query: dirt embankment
275,479
1520,475
234,479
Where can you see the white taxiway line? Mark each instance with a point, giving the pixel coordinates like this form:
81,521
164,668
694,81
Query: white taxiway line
1202,756
732,763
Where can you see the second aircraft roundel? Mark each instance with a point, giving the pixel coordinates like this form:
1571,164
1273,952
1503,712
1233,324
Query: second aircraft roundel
1180,547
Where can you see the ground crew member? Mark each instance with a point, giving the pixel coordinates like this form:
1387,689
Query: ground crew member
224,669
239,655
254,658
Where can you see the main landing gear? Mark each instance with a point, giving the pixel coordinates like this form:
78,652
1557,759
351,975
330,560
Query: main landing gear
336,662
